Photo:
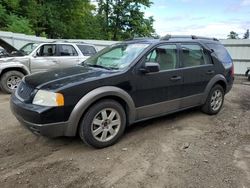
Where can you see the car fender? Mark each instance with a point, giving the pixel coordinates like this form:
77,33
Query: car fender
211,83
12,66
90,98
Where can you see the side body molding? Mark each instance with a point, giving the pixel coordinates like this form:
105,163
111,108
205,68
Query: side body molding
94,95
211,83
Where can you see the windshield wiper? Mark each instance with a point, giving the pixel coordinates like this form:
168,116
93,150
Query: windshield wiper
100,66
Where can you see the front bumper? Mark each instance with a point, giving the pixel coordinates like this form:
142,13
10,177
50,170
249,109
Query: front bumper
30,116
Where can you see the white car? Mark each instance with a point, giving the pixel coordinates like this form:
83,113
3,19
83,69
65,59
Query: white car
45,56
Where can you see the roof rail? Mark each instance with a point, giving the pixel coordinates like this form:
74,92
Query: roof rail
67,41
141,38
193,37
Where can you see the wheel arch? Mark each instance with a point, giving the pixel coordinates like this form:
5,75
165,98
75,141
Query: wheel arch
21,69
105,92
218,79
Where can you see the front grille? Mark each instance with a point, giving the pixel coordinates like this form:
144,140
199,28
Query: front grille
24,91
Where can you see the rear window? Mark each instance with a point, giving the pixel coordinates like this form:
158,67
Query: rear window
221,53
87,50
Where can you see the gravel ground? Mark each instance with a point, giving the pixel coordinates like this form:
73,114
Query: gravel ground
187,149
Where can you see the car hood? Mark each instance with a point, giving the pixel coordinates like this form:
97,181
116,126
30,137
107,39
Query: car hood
56,79
9,48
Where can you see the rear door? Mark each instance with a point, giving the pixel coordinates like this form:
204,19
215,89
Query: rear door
67,55
198,69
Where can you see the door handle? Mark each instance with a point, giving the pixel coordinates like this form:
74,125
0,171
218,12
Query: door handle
210,72
175,78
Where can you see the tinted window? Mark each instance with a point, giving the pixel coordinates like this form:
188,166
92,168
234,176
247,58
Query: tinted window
165,55
221,53
47,50
193,55
67,50
87,50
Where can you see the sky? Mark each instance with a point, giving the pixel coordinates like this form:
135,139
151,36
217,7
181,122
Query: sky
211,18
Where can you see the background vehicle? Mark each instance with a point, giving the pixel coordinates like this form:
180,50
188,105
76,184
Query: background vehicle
247,73
45,56
3,52
123,84
7,50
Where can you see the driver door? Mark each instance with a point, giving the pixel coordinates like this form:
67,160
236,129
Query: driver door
45,59
158,93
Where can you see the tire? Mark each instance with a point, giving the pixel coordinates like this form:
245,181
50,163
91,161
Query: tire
103,124
214,100
10,80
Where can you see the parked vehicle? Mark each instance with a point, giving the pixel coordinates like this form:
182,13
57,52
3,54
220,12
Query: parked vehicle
123,84
6,50
3,52
247,73
45,56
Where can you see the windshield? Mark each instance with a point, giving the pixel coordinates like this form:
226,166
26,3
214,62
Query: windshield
28,48
118,56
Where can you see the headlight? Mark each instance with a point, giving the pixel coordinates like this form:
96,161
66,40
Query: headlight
48,98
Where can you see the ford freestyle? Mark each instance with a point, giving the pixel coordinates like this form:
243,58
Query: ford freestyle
123,84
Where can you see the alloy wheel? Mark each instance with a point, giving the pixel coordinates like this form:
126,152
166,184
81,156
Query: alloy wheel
106,124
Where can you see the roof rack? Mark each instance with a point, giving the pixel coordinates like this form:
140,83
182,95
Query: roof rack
141,38
67,41
193,37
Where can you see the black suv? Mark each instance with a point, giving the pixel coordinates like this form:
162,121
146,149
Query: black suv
123,84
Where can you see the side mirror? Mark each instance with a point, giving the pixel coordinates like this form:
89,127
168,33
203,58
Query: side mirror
150,67
35,54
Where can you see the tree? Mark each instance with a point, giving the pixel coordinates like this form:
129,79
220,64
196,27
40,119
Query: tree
112,19
3,16
233,35
246,35
11,21
19,25
122,19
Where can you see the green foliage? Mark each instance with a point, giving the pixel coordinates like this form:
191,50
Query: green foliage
112,19
18,25
246,35
3,16
233,35
123,19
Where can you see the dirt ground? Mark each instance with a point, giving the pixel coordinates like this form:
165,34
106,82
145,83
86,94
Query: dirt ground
187,149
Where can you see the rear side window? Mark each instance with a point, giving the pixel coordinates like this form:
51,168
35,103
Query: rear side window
87,50
67,50
221,53
193,55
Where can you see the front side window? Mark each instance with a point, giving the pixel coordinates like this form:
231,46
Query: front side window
117,56
165,55
47,50
66,50
193,55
